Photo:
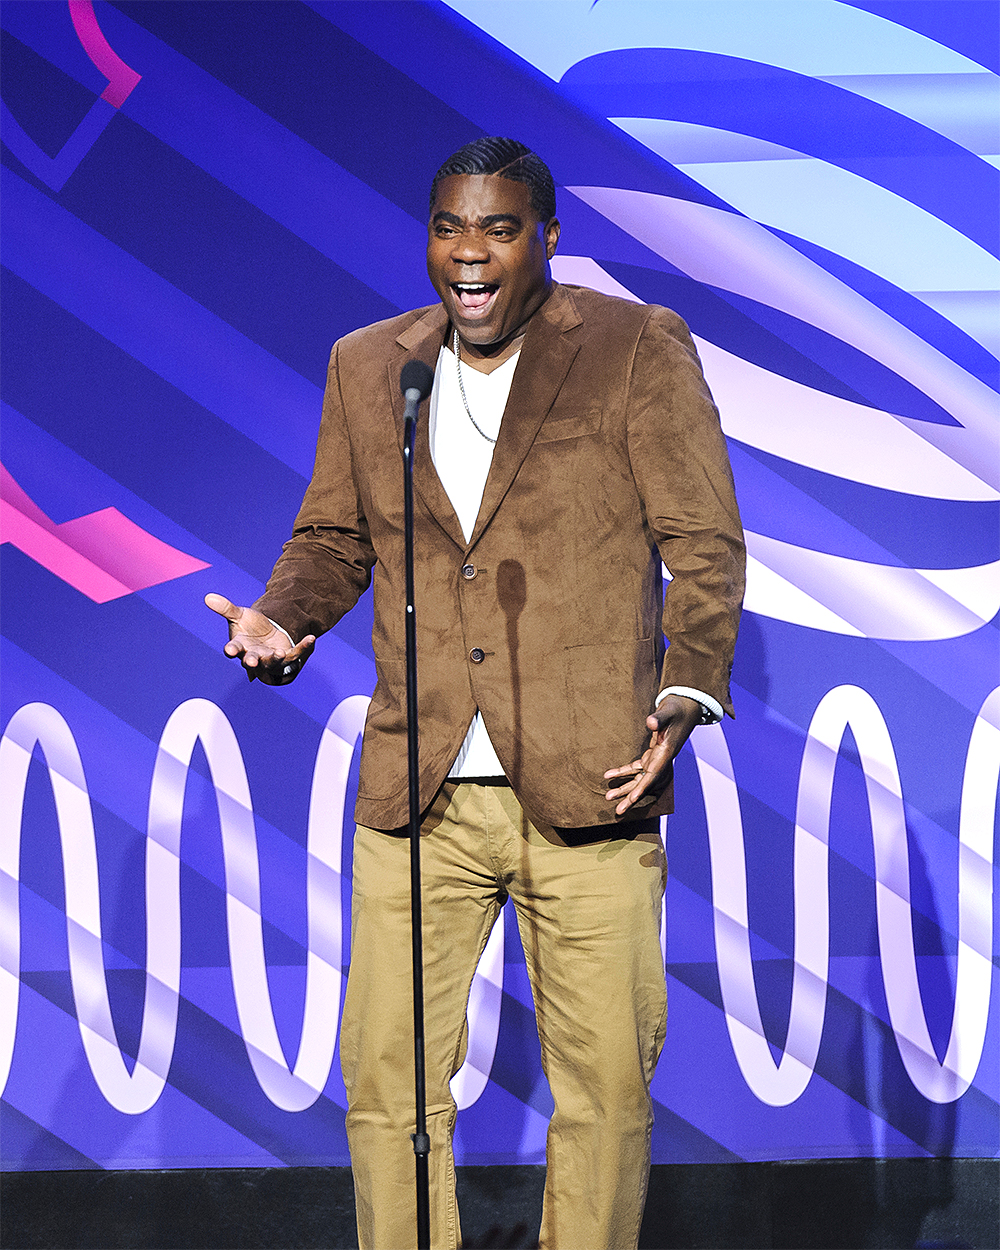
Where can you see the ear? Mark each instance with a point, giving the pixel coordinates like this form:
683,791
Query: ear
551,238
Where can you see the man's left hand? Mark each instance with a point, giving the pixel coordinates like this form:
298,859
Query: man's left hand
670,727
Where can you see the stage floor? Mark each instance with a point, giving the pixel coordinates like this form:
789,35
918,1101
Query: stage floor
841,1205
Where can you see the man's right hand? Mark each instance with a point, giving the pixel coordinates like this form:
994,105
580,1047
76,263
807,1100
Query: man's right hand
264,650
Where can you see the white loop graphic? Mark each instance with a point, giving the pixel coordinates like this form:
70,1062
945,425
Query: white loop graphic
775,1084
131,1092
945,1081
325,915
135,1091
296,1089
483,1015
781,1084
198,719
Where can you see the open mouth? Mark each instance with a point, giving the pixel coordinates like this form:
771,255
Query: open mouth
474,297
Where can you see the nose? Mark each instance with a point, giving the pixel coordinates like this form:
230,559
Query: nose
470,248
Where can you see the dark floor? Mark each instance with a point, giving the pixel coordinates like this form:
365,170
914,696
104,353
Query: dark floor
841,1205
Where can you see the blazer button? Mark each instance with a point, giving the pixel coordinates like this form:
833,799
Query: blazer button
468,571
477,655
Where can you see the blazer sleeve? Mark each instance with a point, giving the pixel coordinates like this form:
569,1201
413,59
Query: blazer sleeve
326,565
681,468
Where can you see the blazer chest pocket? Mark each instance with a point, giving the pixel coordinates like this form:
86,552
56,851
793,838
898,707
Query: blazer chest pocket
555,428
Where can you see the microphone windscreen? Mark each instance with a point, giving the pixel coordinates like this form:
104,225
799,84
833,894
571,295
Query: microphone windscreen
416,376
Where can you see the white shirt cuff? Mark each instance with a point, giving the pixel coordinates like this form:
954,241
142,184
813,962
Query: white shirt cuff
711,710
289,636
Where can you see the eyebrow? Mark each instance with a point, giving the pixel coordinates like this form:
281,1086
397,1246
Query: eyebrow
494,219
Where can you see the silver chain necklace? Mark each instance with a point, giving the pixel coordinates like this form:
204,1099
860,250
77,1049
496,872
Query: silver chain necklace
461,387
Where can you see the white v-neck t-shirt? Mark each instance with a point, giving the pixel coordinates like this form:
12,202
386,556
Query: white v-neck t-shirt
462,458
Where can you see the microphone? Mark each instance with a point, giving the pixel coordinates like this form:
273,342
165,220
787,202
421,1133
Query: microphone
415,381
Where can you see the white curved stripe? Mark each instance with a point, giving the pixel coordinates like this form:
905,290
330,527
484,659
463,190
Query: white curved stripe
808,427
975,312
976,838
834,435
962,107
682,143
877,600
196,720
819,38
736,254
585,271
324,846
855,218
663,905
940,1082
199,719
782,1083
483,1016
769,594
842,708
130,1092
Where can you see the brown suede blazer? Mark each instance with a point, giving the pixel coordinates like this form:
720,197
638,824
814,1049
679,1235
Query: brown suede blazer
551,619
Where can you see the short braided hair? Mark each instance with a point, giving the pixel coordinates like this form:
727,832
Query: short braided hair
507,159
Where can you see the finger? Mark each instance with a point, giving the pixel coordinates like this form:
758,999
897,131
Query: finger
626,770
277,658
279,671
224,607
643,788
256,650
639,783
632,801
281,667
629,799
302,650
244,646
640,794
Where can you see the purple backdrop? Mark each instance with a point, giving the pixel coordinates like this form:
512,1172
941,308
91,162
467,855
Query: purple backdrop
199,197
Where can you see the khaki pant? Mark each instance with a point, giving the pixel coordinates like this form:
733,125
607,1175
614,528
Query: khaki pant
588,909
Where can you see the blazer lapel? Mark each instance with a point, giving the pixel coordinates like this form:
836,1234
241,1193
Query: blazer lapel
422,341
541,370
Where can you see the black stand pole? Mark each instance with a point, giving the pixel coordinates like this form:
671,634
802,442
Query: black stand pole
415,388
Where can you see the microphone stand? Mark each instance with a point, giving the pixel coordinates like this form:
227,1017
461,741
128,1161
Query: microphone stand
416,382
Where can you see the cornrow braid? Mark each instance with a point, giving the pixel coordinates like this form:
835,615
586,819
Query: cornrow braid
506,158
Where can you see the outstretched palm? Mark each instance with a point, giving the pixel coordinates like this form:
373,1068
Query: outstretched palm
265,651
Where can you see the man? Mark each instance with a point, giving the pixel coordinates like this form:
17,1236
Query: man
570,444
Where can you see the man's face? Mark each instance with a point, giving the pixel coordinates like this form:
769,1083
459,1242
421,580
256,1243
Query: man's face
488,257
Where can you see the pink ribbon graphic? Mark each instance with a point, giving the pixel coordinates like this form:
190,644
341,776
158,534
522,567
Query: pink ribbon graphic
104,555
122,79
